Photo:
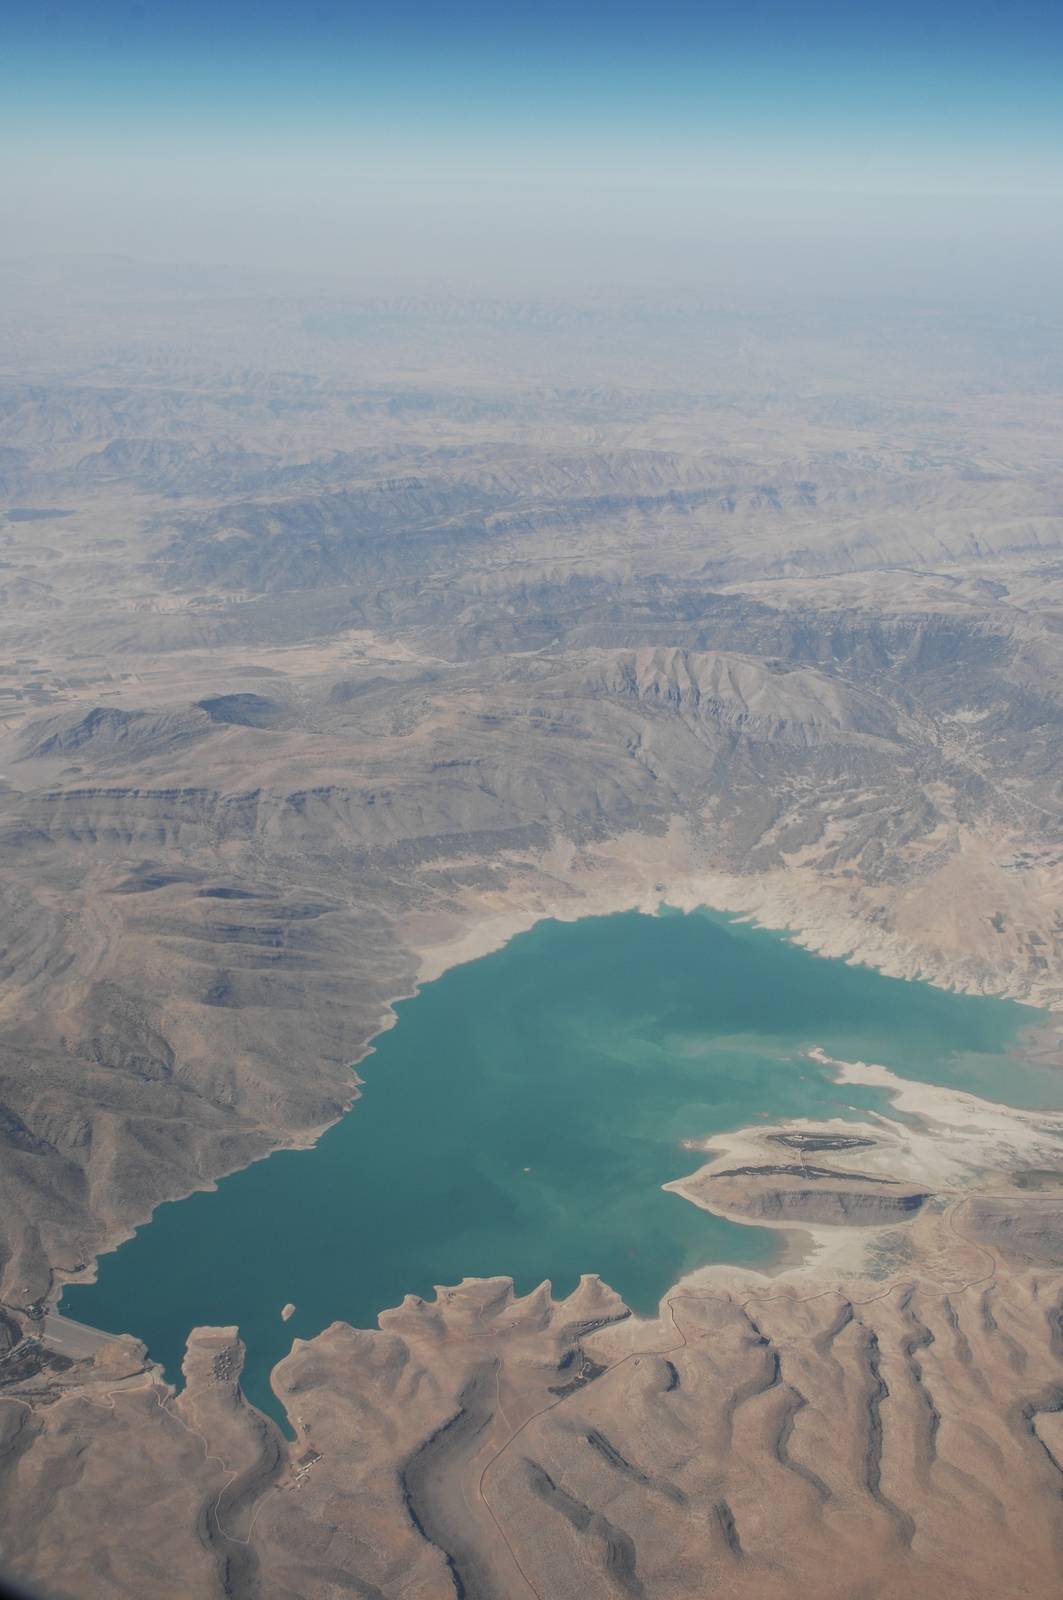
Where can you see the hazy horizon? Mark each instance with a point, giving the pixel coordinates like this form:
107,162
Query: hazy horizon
831,150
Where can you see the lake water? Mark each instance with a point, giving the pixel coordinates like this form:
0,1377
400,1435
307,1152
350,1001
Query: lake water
521,1117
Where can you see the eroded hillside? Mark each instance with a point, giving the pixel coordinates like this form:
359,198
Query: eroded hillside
320,677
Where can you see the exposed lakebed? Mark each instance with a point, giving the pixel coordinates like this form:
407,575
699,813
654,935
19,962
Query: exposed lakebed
521,1117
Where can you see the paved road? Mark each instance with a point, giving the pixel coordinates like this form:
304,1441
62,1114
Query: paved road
73,1339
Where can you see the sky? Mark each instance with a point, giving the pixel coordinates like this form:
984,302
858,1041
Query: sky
485,143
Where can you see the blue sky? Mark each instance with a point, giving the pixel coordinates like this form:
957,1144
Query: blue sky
115,107
109,58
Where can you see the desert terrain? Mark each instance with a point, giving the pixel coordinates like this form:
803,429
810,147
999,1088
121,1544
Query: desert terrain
342,640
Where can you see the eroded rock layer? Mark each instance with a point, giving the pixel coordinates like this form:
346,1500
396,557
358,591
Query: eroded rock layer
312,684
783,1442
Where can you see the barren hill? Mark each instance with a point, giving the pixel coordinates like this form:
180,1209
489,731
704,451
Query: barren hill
319,677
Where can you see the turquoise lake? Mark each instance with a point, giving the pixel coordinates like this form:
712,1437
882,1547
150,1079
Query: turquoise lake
521,1117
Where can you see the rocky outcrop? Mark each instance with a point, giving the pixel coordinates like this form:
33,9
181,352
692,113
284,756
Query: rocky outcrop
817,1196
308,684
777,1443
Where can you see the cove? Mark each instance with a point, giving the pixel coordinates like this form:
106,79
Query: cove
521,1117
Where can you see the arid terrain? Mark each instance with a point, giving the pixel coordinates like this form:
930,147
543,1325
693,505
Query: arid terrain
342,640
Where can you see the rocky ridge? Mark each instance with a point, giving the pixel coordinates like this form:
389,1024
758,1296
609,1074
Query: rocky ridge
313,687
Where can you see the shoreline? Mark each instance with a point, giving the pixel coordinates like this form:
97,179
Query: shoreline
800,1247
644,872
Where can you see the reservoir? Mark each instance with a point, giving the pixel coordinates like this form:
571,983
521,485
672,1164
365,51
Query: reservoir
521,1117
